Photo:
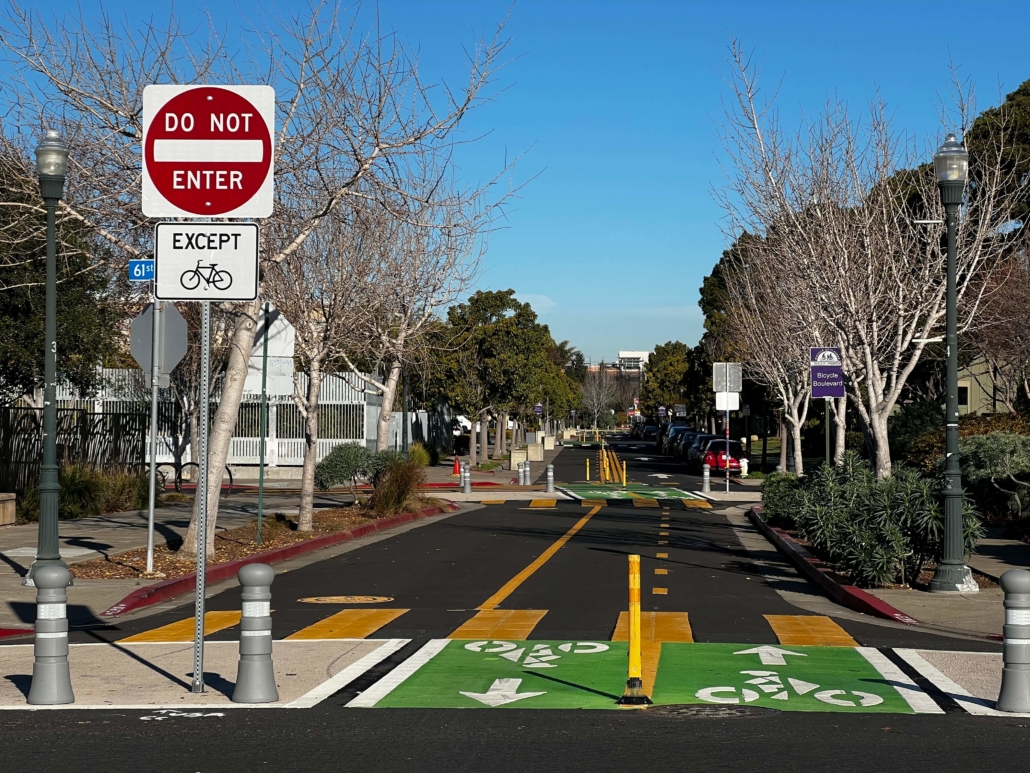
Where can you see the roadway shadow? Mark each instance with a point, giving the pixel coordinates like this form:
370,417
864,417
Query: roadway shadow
21,681
20,570
79,615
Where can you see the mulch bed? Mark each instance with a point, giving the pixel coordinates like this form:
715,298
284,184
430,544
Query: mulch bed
230,544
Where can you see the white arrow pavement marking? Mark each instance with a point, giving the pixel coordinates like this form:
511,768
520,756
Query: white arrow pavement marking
514,656
501,691
771,656
643,458
659,475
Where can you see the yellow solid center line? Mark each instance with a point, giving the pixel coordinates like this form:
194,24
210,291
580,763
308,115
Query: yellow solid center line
509,587
655,628
183,630
349,624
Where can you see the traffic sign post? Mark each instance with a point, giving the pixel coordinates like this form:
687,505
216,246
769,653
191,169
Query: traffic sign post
167,332
728,383
827,382
207,151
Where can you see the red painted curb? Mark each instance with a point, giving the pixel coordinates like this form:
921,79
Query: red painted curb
815,570
6,632
167,589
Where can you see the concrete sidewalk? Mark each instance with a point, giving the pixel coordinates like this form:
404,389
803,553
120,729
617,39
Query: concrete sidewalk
84,539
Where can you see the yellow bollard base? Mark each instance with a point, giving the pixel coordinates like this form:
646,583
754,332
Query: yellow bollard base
634,695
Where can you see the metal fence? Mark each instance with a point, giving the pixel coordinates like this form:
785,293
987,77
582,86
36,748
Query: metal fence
99,440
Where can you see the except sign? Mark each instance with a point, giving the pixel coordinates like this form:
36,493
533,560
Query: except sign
207,150
206,261
827,373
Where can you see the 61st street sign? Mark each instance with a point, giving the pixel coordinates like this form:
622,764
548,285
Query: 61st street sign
207,151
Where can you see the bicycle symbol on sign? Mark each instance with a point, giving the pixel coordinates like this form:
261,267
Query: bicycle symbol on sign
210,275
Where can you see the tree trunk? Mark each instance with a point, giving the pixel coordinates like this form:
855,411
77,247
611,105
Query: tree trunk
224,425
881,445
307,482
840,421
389,394
472,442
799,464
484,436
783,445
501,443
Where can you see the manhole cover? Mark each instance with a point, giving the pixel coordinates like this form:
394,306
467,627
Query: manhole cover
688,711
346,599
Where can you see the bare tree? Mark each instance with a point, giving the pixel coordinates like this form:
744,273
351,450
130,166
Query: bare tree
324,292
845,205
599,391
427,260
354,119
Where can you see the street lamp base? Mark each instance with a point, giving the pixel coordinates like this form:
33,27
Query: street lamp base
953,578
28,582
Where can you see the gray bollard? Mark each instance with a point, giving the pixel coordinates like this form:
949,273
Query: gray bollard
466,479
255,678
706,484
550,479
522,476
51,676
1015,674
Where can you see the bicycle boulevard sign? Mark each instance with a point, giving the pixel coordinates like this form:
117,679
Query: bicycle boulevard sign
206,261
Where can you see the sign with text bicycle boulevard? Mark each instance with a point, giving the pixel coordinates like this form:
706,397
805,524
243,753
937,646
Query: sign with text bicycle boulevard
206,261
827,372
207,151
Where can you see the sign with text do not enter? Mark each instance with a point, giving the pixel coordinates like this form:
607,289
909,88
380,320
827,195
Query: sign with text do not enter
207,151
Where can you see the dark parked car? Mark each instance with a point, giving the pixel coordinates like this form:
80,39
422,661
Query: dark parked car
649,433
715,455
681,442
666,443
695,450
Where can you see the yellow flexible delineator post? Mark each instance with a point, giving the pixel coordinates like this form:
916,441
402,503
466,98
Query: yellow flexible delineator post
588,469
624,474
634,695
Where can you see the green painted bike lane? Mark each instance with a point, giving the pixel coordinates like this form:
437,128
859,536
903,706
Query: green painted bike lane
592,675
632,491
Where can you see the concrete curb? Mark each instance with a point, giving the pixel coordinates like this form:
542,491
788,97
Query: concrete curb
168,589
815,570
5,632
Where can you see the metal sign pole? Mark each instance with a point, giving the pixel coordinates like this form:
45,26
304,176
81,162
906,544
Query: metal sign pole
155,371
264,425
202,488
827,420
727,446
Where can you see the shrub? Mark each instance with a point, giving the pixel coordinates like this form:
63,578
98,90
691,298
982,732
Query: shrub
911,421
419,454
996,469
395,486
344,464
927,451
86,491
380,463
875,532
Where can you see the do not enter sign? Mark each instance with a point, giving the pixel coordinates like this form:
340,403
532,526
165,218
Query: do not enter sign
207,151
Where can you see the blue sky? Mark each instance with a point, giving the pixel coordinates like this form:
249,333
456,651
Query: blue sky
615,105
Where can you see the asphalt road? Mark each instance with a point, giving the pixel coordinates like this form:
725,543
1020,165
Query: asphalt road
441,573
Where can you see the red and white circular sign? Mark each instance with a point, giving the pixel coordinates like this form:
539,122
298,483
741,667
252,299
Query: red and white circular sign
207,151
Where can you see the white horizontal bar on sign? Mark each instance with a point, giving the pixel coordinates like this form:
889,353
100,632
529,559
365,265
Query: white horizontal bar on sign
208,151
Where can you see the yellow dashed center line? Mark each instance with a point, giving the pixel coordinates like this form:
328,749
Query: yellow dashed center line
659,591
661,571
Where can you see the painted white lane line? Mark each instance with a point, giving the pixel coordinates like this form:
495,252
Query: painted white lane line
395,678
959,694
347,675
920,702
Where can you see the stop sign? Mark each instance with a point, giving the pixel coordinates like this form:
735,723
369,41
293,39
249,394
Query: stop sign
207,151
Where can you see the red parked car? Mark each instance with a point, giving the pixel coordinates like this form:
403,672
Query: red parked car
715,455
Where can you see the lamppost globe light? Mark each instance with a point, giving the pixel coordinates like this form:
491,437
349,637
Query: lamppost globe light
951,161
52,155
